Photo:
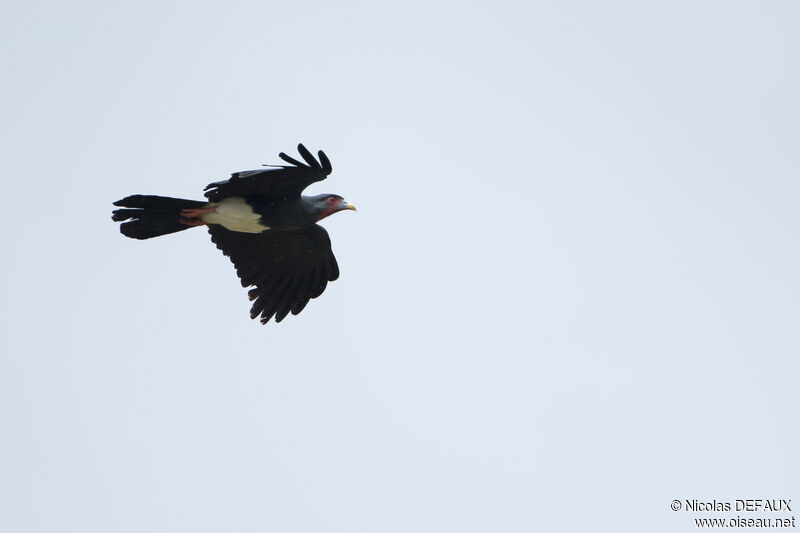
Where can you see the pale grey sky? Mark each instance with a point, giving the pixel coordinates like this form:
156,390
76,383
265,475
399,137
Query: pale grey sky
570,294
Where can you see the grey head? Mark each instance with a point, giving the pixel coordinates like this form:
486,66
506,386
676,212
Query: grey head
324,205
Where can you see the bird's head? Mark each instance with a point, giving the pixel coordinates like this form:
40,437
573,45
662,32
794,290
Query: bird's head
327,204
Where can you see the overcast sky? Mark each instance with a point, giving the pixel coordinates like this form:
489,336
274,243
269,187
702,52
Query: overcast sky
569,296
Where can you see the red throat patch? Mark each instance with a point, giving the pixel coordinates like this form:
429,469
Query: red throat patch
328,212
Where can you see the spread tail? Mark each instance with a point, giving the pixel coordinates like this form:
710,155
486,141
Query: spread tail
151,216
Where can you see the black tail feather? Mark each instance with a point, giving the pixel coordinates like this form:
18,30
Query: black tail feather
157,202
152,216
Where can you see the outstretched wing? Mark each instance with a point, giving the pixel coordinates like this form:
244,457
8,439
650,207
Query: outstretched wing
285,181
286,268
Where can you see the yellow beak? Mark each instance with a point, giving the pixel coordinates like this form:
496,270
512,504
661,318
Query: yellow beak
350,206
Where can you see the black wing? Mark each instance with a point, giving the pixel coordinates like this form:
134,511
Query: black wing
287,268
286,181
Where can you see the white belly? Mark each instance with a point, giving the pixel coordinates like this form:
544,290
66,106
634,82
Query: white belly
234,214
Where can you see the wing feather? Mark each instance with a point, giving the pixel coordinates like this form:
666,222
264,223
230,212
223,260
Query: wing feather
320,281
286,182
285,269
303,293
308,157
326,163
290,160
284,304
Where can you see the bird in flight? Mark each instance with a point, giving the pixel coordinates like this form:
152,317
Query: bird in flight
261,221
